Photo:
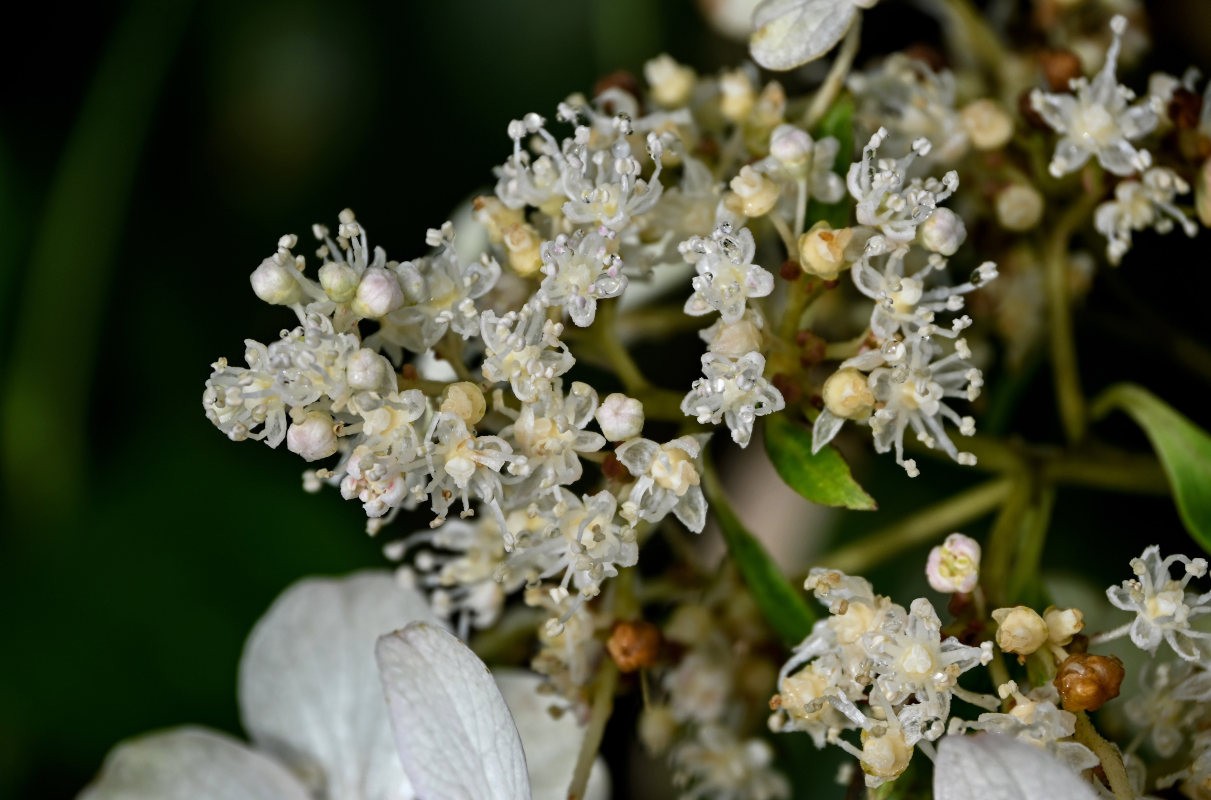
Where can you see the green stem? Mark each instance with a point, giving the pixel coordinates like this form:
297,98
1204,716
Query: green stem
603,707
605,338
1030,544
837,73
1062,344
921,527
981,40
999,552
450,348
1112,761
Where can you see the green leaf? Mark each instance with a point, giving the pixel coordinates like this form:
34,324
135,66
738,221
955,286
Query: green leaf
822,477
784,608
1183,447
838,123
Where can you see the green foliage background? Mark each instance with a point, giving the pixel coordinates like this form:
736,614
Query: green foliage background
150,155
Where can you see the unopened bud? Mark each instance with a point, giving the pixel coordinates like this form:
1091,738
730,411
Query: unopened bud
757,193
339,281
378,294
1063,624
954,565
634,645
690,624
657,726
735,338
736,95
367,371
464,400
276,283
885,756
495,216
1086,682
313,438
1019,630
847,394
620,417
524,246
670,83
988,125
791,146
943,232
1019,207
822,250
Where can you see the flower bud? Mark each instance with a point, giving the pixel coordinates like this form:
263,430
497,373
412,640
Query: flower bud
378,294
988,125
885,756
367,371
847,394
670,83
657,727
1086,682
1019,207
339,281
1019,630
757,193
1063,624
464,400
954,566
690,624
276,283
943,232
736,338
634,645
495,216
791,146
620,417
313,438
822,250
524,246
737,95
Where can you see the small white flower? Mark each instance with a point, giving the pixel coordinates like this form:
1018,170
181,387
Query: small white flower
717,764
580,270
1139,205
954,565
523,348
733,390
887,199
666,479
727,275
1098,121
1164,609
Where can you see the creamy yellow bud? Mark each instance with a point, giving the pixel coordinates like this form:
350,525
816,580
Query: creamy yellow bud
670,83
988,125
737,338
496,217
523,244
464,400
822,250
885,756
1019,630
339,281
657,727
757,193
1019,207
736,95
847,394
1063,624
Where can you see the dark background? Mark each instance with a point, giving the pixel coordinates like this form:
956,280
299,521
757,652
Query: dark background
150,156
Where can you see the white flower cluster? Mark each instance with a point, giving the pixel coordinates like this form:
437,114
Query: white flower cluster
904,380
877,668
1099,120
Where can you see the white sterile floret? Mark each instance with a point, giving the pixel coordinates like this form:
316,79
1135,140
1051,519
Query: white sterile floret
1164,610
887,199
440,293
580,270
732,390
667,479
1098,121
523,348
620,417
1139,205
726,275
548,437
788,33
954,565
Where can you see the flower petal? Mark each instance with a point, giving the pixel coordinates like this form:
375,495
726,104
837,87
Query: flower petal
188,763
455,735
309,690
551,744
995,767
792,32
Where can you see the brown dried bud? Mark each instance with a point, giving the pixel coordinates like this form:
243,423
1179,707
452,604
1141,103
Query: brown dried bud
618,79
1060,67
1185,108
1086,682
614,469
634,645
1031,117
790,270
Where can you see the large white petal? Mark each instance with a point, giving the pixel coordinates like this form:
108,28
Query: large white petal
788,33
551,745
456,738
309,688
995,767
189,764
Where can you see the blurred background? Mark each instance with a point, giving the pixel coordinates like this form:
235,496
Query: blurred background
151,154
